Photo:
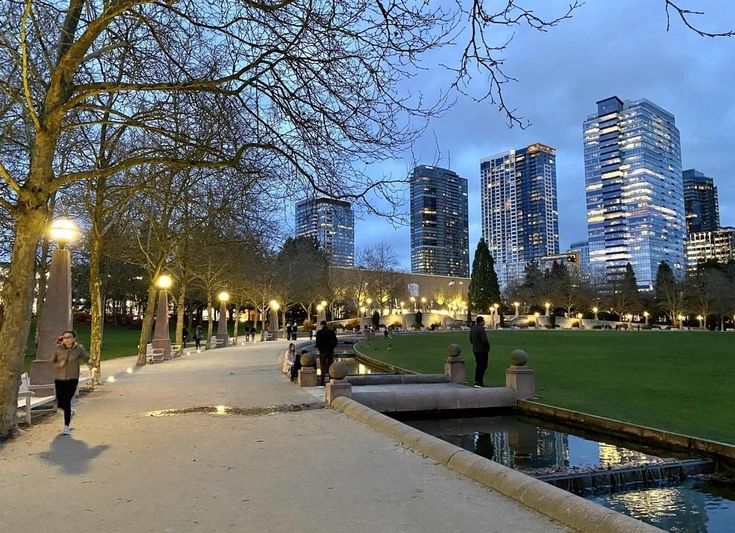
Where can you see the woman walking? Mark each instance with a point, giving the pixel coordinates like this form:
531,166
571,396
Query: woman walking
66,364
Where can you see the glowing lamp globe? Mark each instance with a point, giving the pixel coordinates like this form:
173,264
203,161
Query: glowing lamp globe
63,231
164,281
224,296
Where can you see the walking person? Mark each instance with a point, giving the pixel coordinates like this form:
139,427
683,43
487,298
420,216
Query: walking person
185,335
66,359
198,337
326,342
288,331
481,349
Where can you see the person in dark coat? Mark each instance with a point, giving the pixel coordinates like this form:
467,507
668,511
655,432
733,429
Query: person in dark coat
185,335
481,349
288,331
198,337
326,342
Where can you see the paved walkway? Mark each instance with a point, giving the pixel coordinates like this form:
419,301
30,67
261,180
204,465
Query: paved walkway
312,470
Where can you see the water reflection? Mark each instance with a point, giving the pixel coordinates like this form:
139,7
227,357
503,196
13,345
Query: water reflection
699,504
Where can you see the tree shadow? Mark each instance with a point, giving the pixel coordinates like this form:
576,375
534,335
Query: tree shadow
70,455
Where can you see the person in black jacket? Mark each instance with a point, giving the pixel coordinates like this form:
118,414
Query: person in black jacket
481,349
326,342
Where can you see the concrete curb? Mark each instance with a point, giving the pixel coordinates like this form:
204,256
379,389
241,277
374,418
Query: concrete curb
562,506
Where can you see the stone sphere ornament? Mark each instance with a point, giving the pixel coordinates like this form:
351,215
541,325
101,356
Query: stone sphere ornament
518,357
338,370
308,360
454,350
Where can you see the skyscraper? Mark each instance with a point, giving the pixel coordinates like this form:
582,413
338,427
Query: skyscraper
332,223
520,220
710,245
701,207
635,197
439,222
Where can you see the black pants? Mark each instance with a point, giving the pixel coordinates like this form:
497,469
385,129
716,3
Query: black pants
325,361
295,368
65,389
480,367
197,342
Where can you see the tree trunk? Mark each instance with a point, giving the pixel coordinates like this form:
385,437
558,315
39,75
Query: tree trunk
190,317
180,314
95,295
210,317
42,281
145,331
18,297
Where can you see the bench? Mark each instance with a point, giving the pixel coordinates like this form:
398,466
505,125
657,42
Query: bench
27,399
155,355
176,350
85,380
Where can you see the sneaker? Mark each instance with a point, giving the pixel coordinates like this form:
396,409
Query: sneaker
477,386
66,430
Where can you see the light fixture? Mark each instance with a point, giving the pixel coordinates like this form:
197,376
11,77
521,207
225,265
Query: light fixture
63,231
164,281
274,305
224,296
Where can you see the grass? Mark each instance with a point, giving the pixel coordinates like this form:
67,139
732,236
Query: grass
675,381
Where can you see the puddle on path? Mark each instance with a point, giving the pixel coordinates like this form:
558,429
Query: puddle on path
226,410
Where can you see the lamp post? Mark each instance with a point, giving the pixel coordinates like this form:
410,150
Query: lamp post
579,318
423,303
594,310
681,321
646,314
413,301
56,315
161,339
629,318
516,305
701,321
535,316
320,315
496,316
222,334
547,305
274,307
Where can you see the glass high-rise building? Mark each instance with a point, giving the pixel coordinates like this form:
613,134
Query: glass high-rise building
439,222
583,249
520,218
635,196
332,223
701,206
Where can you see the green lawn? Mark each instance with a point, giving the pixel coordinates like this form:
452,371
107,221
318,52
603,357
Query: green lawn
676,381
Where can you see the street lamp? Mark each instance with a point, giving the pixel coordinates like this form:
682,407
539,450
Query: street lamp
535,316
413,301
629,318
320,315
701,320
496,318
56,316
594,310
274,307
516,305
579,318
161,339
423,303
681,321
646,314
222,335
547,305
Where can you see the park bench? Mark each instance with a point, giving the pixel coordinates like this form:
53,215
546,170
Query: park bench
27,399
176,351
154,355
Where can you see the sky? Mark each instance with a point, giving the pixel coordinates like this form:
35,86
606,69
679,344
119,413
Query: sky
608,48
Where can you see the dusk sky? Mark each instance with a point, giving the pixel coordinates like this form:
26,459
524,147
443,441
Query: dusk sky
608,48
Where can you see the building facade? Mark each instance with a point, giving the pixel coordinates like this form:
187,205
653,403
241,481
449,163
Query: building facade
439,222
635,196
520,218
332,223
583,249
701,206
706,245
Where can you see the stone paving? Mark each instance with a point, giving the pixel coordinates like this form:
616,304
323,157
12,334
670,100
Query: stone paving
266,468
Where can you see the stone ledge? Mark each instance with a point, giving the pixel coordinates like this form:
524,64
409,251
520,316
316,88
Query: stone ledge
562,506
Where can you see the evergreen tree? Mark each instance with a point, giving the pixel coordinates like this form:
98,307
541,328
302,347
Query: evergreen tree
484,289
630,287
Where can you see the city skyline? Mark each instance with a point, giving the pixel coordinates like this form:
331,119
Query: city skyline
560,78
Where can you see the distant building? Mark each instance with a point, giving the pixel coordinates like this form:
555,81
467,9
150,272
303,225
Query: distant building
583,249
706,245
520,219
572,260
635,196
439,222
701,205
332,223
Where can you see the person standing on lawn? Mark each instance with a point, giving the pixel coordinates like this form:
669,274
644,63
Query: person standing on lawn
481,349
66,359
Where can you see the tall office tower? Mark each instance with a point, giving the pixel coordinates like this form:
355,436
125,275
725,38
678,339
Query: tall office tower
332,223
439,222
520,220
701,207
635,197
